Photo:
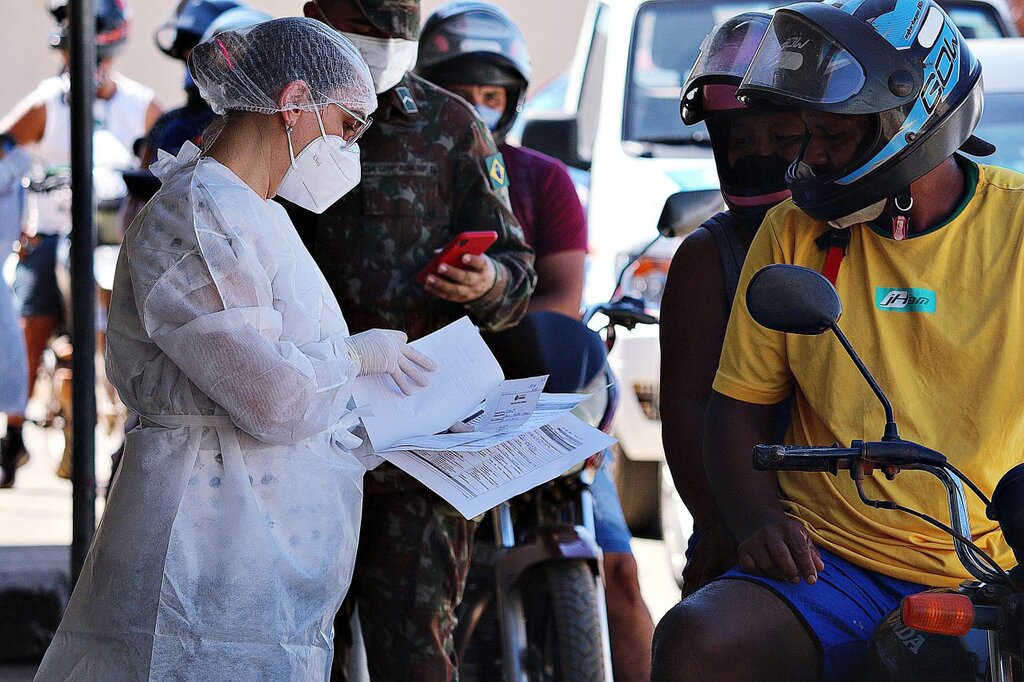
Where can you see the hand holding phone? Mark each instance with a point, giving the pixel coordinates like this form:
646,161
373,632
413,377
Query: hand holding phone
473,243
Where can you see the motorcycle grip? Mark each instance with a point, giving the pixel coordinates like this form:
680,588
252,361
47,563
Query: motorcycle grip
800,458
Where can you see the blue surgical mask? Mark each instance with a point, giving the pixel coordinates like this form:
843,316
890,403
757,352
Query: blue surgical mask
490,116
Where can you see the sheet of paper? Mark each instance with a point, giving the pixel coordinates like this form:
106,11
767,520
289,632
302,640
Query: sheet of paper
510,404
474,482
466,373
549,407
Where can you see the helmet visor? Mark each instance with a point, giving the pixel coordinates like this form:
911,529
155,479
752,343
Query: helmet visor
800,64
477,32
729,48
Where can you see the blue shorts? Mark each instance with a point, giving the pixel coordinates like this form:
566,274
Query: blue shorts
35,278
842,609
612,533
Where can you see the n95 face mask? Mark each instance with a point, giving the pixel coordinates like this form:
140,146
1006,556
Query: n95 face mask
325,171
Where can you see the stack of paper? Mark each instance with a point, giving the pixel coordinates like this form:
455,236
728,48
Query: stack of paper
521,438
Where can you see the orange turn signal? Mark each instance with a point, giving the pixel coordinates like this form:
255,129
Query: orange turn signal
941,613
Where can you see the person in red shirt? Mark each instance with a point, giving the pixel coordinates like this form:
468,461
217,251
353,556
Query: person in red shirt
545,202
475,50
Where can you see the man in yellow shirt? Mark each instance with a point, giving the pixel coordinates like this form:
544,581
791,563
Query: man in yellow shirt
932,284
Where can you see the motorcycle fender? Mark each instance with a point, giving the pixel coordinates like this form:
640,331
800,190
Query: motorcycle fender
902,654
555,543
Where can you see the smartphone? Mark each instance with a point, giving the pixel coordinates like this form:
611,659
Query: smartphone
474,243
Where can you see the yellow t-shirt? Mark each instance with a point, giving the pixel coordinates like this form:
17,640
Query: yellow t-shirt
939,321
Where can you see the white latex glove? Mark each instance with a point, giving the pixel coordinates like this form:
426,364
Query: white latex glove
384,351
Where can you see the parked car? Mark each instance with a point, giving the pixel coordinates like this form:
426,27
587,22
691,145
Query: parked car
1002,122
618,128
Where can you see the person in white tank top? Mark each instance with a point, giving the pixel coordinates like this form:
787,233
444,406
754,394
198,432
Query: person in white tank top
41,124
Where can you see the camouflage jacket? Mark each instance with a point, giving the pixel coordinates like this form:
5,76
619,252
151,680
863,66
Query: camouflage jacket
430,170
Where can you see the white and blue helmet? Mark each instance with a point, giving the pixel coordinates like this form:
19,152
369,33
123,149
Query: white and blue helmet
902,61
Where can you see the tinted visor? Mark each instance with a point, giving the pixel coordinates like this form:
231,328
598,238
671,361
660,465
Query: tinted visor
475,32
730,47
800,64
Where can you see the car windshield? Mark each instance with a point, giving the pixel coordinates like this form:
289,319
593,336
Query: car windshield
975,20
666,40
1002,125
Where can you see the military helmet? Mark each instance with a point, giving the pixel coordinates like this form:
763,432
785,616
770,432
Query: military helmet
903,62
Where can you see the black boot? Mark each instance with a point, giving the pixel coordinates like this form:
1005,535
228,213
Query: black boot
12,455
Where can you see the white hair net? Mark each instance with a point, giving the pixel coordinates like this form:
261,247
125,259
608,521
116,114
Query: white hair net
247,69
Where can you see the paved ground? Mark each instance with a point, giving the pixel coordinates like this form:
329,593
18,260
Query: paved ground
37,511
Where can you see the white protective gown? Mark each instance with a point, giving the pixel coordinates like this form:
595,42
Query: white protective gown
229,537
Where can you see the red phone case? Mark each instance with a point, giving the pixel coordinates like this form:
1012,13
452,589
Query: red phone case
474,243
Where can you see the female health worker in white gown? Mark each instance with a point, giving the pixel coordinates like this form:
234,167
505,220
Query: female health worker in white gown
228,540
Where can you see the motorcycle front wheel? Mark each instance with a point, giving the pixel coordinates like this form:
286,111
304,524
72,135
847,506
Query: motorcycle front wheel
563,623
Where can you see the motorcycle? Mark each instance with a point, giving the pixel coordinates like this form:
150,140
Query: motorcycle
645,486
533,607
970,633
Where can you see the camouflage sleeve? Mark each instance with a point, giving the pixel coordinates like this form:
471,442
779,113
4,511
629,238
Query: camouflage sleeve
481,203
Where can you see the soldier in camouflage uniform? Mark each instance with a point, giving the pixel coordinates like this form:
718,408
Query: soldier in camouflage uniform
430,170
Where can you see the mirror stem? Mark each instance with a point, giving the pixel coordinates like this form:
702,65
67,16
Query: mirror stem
891,432
633,259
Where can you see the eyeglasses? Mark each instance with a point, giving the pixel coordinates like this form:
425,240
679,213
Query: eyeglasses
352,129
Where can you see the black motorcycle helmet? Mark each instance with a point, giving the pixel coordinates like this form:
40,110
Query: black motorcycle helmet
113,18
903,62
476,43
185,27
755,183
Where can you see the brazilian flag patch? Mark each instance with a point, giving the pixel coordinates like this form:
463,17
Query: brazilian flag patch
495,167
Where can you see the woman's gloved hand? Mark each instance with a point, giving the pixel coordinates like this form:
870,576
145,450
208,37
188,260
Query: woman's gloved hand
384,351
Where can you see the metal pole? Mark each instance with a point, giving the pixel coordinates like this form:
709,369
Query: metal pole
83,295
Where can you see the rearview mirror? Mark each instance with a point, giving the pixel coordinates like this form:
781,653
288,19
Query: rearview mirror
685,211
554,133
1008,511
793,299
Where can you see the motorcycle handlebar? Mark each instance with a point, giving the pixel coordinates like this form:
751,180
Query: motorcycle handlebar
897,454
802,458
832,459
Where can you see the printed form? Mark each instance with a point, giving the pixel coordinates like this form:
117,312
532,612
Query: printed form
521,437
474,482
